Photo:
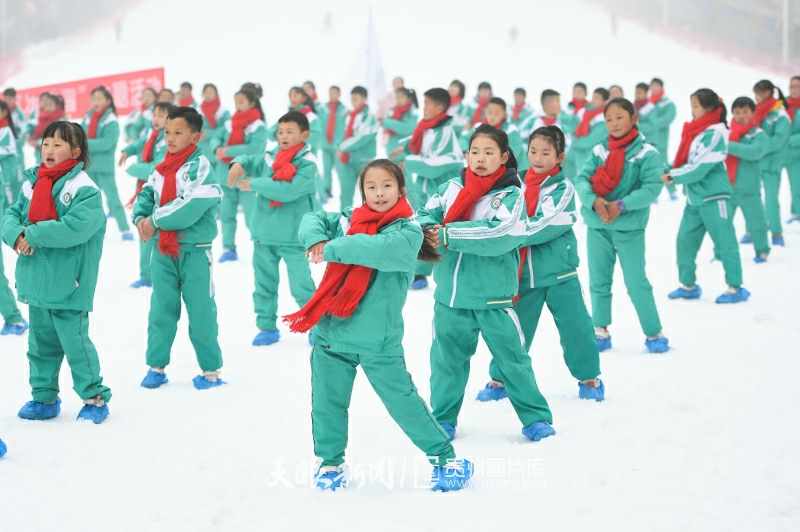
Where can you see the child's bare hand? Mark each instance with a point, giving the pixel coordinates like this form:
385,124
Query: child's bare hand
601,208
122,158
666,178
432,234
613,211
244,185
146,229
397,151
22,247
221,153
235,174
338,154
314,253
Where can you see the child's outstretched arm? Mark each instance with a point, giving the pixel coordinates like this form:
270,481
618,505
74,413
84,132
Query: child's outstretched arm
393,251
107,141
302,184
83,219
783,128
362,136
201,193
446,157
255,145
750,152
490,238
712,152
145,202
316,227
555,216
650,173
12,222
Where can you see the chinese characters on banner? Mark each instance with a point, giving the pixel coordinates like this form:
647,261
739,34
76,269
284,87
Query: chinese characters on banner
125,88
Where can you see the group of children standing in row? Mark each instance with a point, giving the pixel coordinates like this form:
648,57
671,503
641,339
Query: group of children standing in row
423,210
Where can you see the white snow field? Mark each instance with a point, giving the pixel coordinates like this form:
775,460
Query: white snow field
704,437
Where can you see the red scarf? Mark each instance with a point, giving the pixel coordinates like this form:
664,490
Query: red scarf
737,132
139,186
584,126
209,109
147,151
43,206
794,105
655,96
478,114
305,110
3,123
332,107
343,285
45,119
415,144
94,121
764,108
606,177
577,105
455,100
314,98
517,109
239,121
547,121
690,131
187,102
638,104
283,167
168,240
397,114
349,131
475,187
12,108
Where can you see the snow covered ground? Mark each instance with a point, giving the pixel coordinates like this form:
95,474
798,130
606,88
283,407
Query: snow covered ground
701,438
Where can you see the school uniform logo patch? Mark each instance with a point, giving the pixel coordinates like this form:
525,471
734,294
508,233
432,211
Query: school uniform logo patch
66,199
496,203
185,177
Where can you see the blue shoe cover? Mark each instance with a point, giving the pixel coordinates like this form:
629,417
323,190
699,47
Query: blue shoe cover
14,329
450,430
657,345
3,449
682,293
142,283
778,241
39,411
127,237
603,344
154,379
759,260
792,220
453,476
310,340
332,480
109,214
419,284
590,392
201,383
673,197
538,430
229,256
267,337
746,239
93,413
742,294
492,393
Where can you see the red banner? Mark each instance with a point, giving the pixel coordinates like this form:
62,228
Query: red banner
126,89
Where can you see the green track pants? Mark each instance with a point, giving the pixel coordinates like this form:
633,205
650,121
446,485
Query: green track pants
715,218
266,261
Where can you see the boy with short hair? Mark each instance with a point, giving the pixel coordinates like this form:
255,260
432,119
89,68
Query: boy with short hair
655,117
185,98
589,130
521,109
285,185
177,207
551,115
359,145
333,117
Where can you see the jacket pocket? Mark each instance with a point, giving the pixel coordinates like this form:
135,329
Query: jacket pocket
59,276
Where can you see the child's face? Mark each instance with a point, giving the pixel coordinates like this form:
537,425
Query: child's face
289,135
3,114
641,94
381,191
484,157
159,119
148,98
618,121
178,135
397,83
309,90
578,93
55,151
656,88
697,110
185,93
762,96
401,98
431,110
614,92
166,97
295,98
357,100
99,101
454,91
743,115
209,94
794,89
519,98
12,100
495,114
552,106
597,100
484,94
48,105
333,95
542,155
242,103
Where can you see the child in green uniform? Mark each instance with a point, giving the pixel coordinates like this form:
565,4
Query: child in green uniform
551,115
358,146
588,128
521,109
300,101
151,148
15,184
185,97
792,162
477,218
215,116
357,319
102,130
616,186
458,109
57,227
400,122
548,273
475,113
177,208
244,134
139,120
333,116
747,145
700,167
497,116
285,185
655,118
51,109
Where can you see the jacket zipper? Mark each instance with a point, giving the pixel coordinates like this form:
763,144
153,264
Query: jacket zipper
530,263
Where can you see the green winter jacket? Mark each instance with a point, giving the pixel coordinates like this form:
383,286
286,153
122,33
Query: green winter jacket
362,146
138,122
581,147
639,185
525,112
552,255
792,147
8,156
103,147
654,122
279,225
440,157
401,128
461,117
193,212
255,142
142,170
376,326
314,129
704,177
480,257
750,150
32,121
222,116
338,128
778,127
62,271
